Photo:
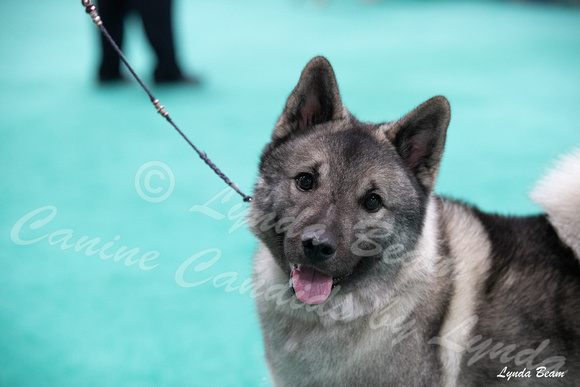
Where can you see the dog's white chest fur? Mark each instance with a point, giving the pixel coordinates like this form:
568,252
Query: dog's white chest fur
352,353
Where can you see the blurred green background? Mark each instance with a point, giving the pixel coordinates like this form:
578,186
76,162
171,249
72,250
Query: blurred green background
86,155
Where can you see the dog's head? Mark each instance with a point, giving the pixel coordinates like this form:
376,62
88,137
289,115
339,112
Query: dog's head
339,201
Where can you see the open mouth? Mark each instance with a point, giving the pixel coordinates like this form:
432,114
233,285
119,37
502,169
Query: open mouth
311,286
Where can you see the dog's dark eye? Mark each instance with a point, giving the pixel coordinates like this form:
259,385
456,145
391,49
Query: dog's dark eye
372,202
305,181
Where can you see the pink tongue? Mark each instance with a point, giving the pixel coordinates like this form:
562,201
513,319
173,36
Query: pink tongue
310,286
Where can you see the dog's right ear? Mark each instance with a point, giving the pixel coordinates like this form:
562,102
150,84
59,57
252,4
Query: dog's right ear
314,100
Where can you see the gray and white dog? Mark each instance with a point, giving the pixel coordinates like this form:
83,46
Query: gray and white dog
364,277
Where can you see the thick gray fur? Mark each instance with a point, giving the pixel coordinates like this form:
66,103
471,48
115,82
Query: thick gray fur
433,292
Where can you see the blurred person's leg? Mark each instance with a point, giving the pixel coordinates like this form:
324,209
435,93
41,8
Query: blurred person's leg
157,21
112,13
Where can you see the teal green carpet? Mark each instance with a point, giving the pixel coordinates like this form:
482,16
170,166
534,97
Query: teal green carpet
77,160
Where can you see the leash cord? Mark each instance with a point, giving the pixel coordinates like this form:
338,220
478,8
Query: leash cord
92,11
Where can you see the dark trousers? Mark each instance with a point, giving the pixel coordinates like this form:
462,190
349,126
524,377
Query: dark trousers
157,22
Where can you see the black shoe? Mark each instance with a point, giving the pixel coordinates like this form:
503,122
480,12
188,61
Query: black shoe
110,79
190,80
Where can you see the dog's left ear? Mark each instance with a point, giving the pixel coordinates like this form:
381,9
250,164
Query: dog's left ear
419,138
314,100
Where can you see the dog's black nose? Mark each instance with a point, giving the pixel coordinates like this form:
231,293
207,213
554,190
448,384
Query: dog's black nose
318,247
